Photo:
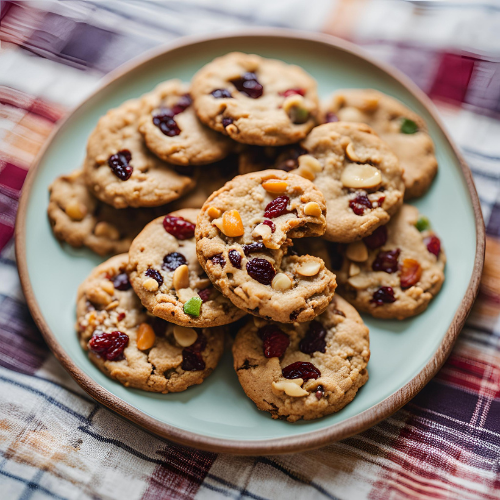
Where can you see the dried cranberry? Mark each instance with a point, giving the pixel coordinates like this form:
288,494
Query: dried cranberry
290,92
359,204
164,120
249,85
261,270
218,259
301,369
384,295
277,207
192,361
121,316
331,117
271,224
179,227
120,164
173,260
199,345
226,121
109,346
221,93
182,104
274,341
253,247
235,258
377,239
153,273
205,294
320,392
121,282
433,244
314,341
387,261
411,272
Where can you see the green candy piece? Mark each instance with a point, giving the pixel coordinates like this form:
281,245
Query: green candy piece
193,306
423,223
298,114
408,126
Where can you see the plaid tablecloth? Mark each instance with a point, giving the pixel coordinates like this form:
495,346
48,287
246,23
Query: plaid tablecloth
55,442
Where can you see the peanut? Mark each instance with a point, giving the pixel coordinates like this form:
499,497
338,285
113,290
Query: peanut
357,251
150,284
291,387
181,277
185,336
145,337
281,282
76,210
309,268
312,209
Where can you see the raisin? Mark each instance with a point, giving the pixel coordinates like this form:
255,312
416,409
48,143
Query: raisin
301,369
109,346
179,227
261,270
248,85
387,261
205,294
235,258
121,282
277,207
271,224
359,204
173,260
120,164
433,244
226,121
218,259
164,120
384,295
192,361
221,93
314,340
182,104
377,239
253,247
274,341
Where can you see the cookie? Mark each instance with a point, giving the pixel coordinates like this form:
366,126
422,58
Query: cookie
358,175
242,235
304,371
80,219
404,131
210,178
121,171
172,130
165,274
136,349
397,270
254,100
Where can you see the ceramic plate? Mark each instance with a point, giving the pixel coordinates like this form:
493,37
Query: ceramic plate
217,415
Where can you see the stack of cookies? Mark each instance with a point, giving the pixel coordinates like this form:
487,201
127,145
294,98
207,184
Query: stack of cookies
257,259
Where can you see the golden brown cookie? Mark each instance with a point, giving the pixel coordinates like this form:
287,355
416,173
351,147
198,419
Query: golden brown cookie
254,100
80,219
304,371
404,131
172,130
121,171
358,175
242,236
127,344
168,279
397,270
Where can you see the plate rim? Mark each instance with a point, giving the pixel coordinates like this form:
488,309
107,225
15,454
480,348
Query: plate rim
307,440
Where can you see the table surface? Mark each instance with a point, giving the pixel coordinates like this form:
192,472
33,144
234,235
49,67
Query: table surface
55,442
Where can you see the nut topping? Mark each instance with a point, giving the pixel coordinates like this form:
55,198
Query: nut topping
309,162
357,251
312,209
281,282
309,268
181,277
150,284
291,387
145,337
361,176
76,210
185,336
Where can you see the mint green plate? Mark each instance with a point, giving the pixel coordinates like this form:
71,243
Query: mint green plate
217,415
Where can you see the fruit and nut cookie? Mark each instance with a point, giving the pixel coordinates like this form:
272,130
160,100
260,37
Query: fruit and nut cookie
358,175
242,235
121,171
172,130
404,131
254,100
167,277
397,270
304,371
80,219
136,349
